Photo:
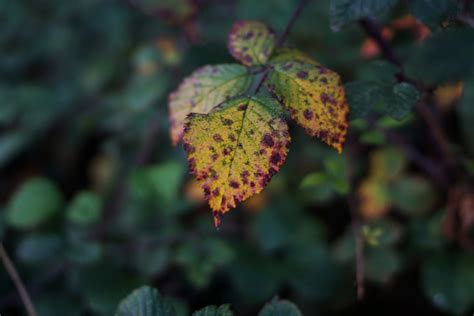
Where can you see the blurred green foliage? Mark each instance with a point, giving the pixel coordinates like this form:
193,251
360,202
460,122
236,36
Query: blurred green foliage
88,216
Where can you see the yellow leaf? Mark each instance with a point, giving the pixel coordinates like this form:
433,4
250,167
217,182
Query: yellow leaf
235,149
251,42
207,87
313,94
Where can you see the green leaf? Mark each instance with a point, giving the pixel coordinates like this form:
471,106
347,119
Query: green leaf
39,248
346,11
203,90
236,149
158,183
201,259
313,94
413,195
362,97
85,208
251,42
431,12
11,144
404,99
448,281
151,262
381,264
444,57
35,202
144,301
280,308
395,100
465,113
223,310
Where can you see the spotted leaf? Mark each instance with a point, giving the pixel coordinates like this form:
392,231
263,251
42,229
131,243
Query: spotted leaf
207,87
251,42
313,94
235,149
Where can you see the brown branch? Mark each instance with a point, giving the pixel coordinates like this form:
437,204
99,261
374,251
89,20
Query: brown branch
120,192
356,222
15,277
426,113
281,40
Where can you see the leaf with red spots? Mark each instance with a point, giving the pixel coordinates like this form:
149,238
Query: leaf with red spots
235,149
313,94
206,88
251,42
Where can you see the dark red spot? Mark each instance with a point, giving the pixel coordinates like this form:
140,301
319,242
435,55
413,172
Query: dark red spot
248,35
252,184
242,107
268,140
308,114
234,184
227,122
226,151
245,175
214,156
272,171
275,158
215,192
232,137
189,148
207,191
302,74
217,138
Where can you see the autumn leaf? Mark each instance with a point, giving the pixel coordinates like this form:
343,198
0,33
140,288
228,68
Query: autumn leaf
313,94
207,87
251,42
235,149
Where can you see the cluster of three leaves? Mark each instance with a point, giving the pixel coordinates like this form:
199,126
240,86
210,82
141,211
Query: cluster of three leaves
236,142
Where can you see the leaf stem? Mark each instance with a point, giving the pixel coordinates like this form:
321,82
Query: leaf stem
281,40
15,277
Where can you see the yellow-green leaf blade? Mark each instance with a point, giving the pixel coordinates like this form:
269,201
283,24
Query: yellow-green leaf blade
204,89
251,42
313,94
235,149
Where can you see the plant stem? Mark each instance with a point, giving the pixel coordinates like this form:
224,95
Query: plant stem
426,113
356,222
15,277
281,40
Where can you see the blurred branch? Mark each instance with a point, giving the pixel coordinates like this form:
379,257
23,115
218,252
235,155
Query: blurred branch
281,40
355,219
464,15
120,192
441,140
15,277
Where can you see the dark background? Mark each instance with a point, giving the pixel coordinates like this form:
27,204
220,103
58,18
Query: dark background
95,201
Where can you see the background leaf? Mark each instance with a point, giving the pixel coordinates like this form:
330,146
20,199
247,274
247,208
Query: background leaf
144,301
346,11
280,308
35,202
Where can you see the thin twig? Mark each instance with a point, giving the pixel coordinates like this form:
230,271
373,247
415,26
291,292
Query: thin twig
15,277
120,192
281,40
426,113
356,222
296,14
